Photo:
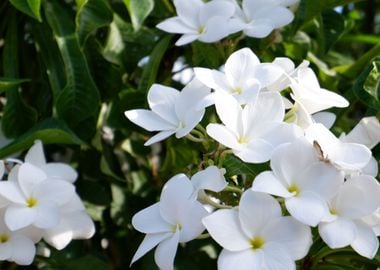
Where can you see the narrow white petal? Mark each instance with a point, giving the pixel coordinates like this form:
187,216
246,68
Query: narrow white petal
308,208
366,242
256,209
212,78
149,220
23,249
148,120
36,154
223,135
292,234
339,233
186,38
242,260
159,137
149,242
266,182
61,171
229,111
175,25
165,252
224,227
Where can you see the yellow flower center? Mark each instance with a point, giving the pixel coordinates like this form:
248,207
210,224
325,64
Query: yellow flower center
176,227
257,242
31,202
237,90
333,211
293,188
4,238
201,29
242,140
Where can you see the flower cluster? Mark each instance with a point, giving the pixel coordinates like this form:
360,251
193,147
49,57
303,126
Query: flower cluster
269,112
39,202
197,20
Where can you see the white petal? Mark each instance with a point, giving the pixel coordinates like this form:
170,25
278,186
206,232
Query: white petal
325,118
290,233
61,171
257,151
223,135
213,79
276,16
211,178
239,66
5,251
242,260
280,133
29,176
267,73
211,9
149,220
149,242
366,132
256,209
191,220
165,252
176,192
372,168
308,208
17,217
229,111
23,249
277,256
258,30
159,137
350,155
175,25
47,216
186,38
148,120
189,10
161,100
36,154
288,160
224,227
339,233
266,182
9,190
366,242
58,191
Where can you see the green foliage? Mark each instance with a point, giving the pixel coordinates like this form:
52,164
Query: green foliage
69,70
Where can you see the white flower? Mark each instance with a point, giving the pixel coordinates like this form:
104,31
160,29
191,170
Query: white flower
252,132
172,112
211,178
258,18
34,199
357,198
302,179
256,236
53,170
74,223
244,76
207,22
345,156
175,219
15,246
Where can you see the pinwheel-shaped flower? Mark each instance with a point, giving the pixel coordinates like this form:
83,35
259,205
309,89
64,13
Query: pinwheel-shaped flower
33,198
243,77
258,18
172,112
252,132
207,22
175,219
357,198
257,236
302,179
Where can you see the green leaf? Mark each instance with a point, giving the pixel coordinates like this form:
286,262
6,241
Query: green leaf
92,15
10,83
234,166
139,10
155,59
50,131
30,7
372,83
332,28
78,103
87,262
18,116
205,55
366,87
